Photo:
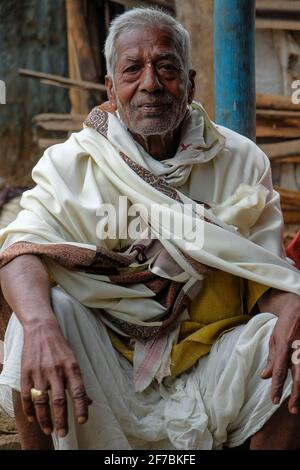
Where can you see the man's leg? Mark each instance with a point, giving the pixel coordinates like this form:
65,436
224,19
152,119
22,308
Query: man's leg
281,432
30,434
88,338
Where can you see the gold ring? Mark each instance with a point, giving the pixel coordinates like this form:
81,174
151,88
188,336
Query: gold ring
37,393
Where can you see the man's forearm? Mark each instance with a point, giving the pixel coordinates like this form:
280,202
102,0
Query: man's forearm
26,288
277,302
47,359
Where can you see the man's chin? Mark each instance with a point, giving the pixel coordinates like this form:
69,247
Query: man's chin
148,127
148,132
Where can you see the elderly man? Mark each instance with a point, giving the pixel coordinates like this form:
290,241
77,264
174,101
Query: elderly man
148,327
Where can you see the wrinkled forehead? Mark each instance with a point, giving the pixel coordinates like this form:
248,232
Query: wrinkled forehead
140,41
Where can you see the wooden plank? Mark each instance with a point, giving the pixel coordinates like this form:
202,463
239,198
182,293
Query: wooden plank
291,217
49,82
278,113
95,14
57,79
80,56
59,122
78,99
46,143
77,28
267,101
289,197
295,159
281,149
200,27
270,23
167,4
289,122
287,207
56,117
275,122
264,130
279,6
60,125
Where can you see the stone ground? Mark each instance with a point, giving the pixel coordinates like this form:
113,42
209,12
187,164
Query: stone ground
8,434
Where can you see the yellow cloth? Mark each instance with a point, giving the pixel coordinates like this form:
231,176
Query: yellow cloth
224,303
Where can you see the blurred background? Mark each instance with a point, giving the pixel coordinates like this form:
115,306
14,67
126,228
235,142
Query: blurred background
65,38
52,63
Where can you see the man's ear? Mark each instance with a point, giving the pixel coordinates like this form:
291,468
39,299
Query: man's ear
110,91
191,86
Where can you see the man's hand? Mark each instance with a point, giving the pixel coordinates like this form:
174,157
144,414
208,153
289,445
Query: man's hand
287,330
47,360
49,363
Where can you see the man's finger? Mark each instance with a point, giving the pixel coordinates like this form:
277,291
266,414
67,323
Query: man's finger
294,401
78,394
27,404
280,370
267,372
59,406
42,408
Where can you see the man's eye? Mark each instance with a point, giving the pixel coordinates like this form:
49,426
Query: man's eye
132,69
167,67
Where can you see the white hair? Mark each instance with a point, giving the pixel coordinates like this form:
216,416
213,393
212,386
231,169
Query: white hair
146,17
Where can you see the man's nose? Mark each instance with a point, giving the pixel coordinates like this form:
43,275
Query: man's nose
150,81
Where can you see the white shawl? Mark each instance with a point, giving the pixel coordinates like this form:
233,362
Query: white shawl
102,162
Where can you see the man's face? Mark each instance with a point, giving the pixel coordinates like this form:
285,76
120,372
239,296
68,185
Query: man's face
150,89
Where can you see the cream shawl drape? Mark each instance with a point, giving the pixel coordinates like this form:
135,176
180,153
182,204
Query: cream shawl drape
242,228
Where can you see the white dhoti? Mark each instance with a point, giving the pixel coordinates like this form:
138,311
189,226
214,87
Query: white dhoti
221,401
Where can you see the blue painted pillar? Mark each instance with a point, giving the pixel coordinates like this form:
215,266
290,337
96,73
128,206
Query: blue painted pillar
234,43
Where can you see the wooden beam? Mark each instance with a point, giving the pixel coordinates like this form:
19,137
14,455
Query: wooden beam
281,132
278,113
286,160
290,197
167,4
276,122
46,143
63,126
281,149
58,117
291,217
63,81
59,122
279,5
270,23
267,101
80,56
197,17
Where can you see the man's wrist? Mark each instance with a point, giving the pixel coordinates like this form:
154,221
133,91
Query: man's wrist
279,302
38,321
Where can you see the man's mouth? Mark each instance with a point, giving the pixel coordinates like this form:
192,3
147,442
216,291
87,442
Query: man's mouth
154,107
